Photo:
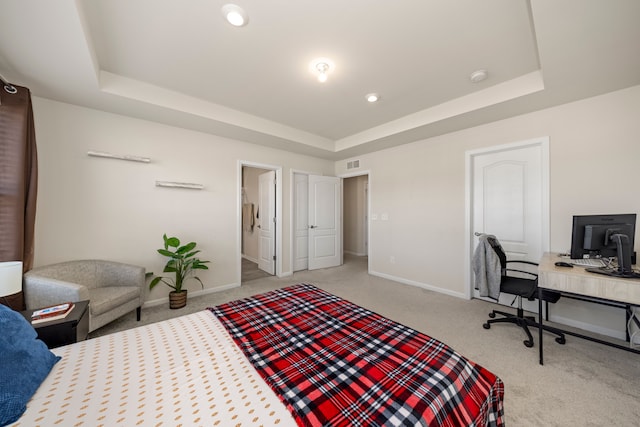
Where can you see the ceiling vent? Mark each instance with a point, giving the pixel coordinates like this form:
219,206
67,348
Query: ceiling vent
353,164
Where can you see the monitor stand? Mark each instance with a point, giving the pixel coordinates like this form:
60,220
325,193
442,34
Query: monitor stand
624,269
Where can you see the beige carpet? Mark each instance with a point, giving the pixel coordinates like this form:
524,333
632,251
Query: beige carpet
250,271
581,384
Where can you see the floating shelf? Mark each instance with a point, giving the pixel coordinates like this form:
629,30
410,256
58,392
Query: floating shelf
127,157
171,184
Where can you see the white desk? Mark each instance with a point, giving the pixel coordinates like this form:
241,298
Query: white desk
597,288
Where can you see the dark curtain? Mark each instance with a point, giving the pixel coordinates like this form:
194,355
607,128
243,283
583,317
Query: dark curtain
18,180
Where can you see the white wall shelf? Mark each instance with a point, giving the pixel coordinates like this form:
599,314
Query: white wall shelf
171,184
139,159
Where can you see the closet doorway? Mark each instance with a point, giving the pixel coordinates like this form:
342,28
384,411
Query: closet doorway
260,230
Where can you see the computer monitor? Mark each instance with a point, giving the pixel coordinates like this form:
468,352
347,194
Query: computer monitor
606,236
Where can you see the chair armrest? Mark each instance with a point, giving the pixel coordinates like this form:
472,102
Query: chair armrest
510,270
40,291
522,262
515,270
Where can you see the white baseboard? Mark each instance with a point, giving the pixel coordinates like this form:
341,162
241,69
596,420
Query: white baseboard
249,258
419,285
354,253
191,294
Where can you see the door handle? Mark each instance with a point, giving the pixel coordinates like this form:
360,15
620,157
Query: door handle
313,226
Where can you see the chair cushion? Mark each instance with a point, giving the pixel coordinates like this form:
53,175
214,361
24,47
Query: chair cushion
526,288
26,362
109,297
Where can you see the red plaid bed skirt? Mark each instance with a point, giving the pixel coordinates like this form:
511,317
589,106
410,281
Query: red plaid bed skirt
334,363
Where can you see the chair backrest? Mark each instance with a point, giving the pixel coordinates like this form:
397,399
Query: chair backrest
497,248
547,295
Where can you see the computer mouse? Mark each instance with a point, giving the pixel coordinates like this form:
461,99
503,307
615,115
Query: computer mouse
563,264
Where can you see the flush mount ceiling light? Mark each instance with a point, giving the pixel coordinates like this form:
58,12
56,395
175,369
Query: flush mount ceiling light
321,67
373,97
478,76
235,15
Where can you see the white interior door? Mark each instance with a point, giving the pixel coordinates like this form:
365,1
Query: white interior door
325,221
301,222
267,221
509,200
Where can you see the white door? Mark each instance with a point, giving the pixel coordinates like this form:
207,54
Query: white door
267,221
325,221
301,222
510,201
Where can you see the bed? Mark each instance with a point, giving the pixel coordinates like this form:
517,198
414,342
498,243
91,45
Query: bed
292,356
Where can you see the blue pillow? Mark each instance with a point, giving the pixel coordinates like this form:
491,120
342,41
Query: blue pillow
25,362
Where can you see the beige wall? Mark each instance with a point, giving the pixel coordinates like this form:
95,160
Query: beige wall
101,208
594,148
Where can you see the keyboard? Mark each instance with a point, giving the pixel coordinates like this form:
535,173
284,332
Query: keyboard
588,262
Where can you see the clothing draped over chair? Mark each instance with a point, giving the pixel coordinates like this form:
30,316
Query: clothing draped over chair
487,268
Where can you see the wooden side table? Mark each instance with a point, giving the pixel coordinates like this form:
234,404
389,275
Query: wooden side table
71,329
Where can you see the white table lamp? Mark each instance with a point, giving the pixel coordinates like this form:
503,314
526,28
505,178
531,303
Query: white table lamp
10,282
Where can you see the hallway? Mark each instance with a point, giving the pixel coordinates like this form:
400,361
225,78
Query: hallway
355,264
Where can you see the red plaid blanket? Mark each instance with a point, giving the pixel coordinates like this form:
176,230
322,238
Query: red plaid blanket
335,363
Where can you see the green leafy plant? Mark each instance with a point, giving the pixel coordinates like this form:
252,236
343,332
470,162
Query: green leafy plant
182,261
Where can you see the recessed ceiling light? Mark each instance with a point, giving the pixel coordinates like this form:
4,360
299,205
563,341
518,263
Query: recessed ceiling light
478,76
321,67
373,97
235,15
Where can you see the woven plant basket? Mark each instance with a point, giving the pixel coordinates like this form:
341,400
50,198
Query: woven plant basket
177,299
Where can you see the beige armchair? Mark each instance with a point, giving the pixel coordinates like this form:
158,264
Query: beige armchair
112,288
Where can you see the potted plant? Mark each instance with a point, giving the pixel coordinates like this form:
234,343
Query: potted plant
182,262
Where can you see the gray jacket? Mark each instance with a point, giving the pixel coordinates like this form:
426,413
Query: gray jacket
486,268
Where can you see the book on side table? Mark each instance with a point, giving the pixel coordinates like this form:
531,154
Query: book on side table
54,312
55,331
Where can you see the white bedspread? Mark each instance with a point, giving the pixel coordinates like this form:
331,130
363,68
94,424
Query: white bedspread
185,371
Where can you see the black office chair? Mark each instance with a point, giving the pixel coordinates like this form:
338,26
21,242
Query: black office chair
521,287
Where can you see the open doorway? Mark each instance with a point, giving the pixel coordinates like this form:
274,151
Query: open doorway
356,215
260,233
354,218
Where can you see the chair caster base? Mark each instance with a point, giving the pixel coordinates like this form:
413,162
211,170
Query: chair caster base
528,343
492,315
561,340
486,325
